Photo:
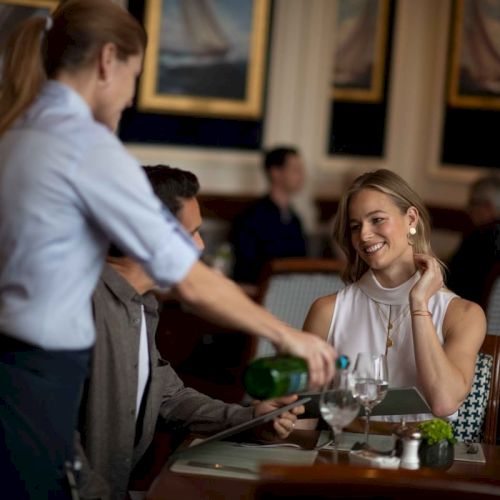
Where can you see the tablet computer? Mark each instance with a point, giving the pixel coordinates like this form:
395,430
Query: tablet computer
398,401
254,422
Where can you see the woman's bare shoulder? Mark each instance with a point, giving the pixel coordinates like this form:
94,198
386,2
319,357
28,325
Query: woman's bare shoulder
320,315
459,307
464,315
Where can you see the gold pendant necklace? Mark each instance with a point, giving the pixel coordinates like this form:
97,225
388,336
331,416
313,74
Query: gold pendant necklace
391,324
388,341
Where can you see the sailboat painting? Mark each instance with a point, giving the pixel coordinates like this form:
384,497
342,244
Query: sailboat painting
474,80
205,57
360,50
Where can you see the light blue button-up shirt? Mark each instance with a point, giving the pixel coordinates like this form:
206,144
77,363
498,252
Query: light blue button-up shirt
67,188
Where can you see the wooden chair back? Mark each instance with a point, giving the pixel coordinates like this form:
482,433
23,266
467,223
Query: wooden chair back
296,265
491,346
289,286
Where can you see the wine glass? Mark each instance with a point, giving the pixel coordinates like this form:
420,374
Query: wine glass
338,407
371,382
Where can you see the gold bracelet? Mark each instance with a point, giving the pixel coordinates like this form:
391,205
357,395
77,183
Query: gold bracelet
420,312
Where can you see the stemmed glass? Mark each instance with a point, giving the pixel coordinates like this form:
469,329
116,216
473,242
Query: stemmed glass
371,381
338,407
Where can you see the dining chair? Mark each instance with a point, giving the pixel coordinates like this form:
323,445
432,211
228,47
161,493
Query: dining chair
289,286
478,416
322,481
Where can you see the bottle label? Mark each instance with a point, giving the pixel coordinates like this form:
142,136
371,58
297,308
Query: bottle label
298,382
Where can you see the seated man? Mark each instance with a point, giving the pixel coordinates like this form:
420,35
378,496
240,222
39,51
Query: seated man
270,228
130,386
479,252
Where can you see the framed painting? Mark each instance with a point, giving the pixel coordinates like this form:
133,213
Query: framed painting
205,57
360,50
474,77
13,12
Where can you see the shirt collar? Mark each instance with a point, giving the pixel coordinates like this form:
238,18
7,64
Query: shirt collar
124,291
64,95
285,215
390,296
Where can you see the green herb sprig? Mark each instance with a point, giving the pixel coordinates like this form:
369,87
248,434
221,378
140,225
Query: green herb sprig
436,430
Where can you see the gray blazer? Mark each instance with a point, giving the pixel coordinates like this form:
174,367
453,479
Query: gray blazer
110,440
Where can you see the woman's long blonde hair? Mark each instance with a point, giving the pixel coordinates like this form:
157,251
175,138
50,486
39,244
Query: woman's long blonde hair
38,49
403,196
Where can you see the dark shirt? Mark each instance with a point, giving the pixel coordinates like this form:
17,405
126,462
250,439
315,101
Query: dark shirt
263,233
474,260
112,440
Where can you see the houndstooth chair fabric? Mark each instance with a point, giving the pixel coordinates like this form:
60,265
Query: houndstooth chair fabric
289,297
469,424
493,309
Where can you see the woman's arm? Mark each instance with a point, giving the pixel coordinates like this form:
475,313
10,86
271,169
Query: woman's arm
320,314
317,322
445,371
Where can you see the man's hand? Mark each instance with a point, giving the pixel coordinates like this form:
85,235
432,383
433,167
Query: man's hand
282,426
319,355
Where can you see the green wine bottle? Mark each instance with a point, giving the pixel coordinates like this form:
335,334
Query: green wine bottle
276,376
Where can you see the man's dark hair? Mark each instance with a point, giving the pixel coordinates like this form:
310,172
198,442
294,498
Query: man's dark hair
171,185
276,157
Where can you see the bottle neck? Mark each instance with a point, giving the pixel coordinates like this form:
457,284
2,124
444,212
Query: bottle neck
343,379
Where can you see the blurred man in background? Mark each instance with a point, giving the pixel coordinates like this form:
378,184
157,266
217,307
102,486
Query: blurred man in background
479,251
270,228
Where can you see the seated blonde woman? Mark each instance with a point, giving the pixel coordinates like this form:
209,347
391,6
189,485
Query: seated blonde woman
395,302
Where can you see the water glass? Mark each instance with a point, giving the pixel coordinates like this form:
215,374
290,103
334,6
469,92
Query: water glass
338,407
371,381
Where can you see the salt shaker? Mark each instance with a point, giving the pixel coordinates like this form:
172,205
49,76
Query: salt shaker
409,458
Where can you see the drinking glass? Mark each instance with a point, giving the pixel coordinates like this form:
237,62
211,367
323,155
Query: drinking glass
338,407
371,382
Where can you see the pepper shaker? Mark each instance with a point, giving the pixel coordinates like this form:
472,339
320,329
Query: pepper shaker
399,434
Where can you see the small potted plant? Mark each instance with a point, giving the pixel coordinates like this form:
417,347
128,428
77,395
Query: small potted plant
437,446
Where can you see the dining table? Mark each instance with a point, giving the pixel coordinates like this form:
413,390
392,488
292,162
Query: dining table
170,485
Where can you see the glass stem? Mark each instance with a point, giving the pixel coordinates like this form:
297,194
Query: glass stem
336,437
367,424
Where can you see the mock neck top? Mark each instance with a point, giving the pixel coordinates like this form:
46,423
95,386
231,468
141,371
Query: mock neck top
397,296
360,320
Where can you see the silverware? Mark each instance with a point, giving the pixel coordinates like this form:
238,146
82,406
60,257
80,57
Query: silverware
323,445
216,466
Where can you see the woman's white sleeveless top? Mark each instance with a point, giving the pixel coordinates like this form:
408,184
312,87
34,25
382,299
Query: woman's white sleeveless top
359,324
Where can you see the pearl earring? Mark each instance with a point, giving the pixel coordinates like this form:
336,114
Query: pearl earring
413,231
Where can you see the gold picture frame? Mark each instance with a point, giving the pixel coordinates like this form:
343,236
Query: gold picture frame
36,4
474,76
360,50
211,76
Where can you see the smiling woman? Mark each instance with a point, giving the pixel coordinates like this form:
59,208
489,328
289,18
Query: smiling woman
395,302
